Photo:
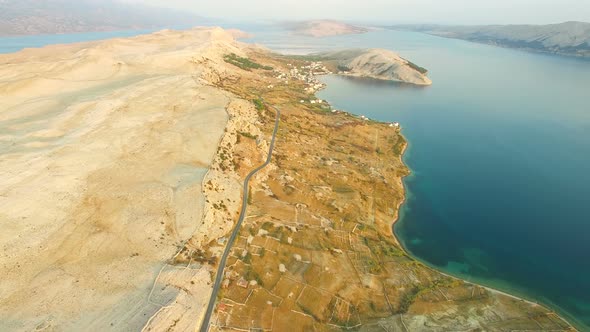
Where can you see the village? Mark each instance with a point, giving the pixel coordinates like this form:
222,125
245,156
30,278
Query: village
307,73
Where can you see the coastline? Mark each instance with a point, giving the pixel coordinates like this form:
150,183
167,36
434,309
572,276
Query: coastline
554,309
584,57
404,199
249,142
558,313
397,218
356,75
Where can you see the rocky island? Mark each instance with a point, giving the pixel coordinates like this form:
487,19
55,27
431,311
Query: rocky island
324,28
375,63
122,170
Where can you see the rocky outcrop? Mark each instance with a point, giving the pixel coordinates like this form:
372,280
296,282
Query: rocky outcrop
379,64
387,65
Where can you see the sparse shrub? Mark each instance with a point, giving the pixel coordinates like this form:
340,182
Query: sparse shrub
259,104
416,67
244,63
249,195
343,68
248,135
407,300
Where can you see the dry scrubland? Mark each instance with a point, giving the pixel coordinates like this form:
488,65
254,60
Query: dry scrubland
121,166
316,251
104,147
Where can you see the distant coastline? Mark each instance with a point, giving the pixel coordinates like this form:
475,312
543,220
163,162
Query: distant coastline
324,28
568,38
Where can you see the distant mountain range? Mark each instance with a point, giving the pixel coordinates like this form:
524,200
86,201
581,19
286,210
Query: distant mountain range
569,38
29,17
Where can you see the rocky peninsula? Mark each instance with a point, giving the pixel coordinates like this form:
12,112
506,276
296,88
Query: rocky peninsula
378,64
121,172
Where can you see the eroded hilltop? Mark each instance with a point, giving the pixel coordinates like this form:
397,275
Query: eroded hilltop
121,174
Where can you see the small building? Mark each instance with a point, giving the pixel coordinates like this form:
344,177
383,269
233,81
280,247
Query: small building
242,283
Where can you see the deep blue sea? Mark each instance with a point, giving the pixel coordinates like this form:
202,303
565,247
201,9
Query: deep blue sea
499,151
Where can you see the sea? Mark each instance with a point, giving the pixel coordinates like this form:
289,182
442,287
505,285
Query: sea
499,148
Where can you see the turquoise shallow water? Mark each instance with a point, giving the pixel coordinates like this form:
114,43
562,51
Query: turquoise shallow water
500,154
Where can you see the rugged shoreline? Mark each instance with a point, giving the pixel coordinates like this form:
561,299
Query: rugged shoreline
316,247
278,249
550,307
396,219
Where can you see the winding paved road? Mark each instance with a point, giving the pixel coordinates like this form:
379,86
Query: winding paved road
236,231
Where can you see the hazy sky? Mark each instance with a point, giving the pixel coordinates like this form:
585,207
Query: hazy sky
394,11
